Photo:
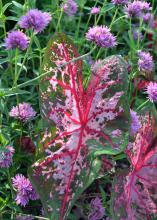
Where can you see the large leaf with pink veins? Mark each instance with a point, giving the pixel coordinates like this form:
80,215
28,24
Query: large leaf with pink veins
135,193
99,112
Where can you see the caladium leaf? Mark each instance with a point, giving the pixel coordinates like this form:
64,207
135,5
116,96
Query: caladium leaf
99,112
135,194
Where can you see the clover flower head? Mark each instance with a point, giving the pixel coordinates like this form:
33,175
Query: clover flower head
23,112
16,39
102,36
95,10
145,62
151,90
24,188
137,9
97,209
135,124
35,19
6,157
70,7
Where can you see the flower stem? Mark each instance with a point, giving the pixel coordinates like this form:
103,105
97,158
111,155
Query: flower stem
79,21
24,60
112,22
10,184
142,105
100,13
44,74
114,18
58,27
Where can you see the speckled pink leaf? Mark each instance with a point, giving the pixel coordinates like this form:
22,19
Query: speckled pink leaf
100,112
135,195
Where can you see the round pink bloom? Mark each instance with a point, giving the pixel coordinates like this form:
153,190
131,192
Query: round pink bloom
145,61
70,7
137,9
6,157
23,112
25,190
152,91
97,209
35,19
95,10
16,39
102,36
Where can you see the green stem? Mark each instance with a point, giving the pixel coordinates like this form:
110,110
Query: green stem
29,82
132,43
78,58
142,105
124,16
25,57
79,21
112,22
10,184
4,29
140,29
16,72
58,27
114,17
16,61
36,217
90,15
40,61
44,74
100,13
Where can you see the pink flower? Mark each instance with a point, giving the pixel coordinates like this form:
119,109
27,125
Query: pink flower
6,157
135,124
95,10
145,61
102,36
23,112
97,210
24,188
16,39
70,7
35,19
152,91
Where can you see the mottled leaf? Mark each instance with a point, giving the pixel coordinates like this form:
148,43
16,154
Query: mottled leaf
135,194
100,112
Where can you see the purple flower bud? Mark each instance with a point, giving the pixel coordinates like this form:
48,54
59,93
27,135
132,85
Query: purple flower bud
23,112
137,34
6,157
35,19
102,36
149,19
16,39
120,2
